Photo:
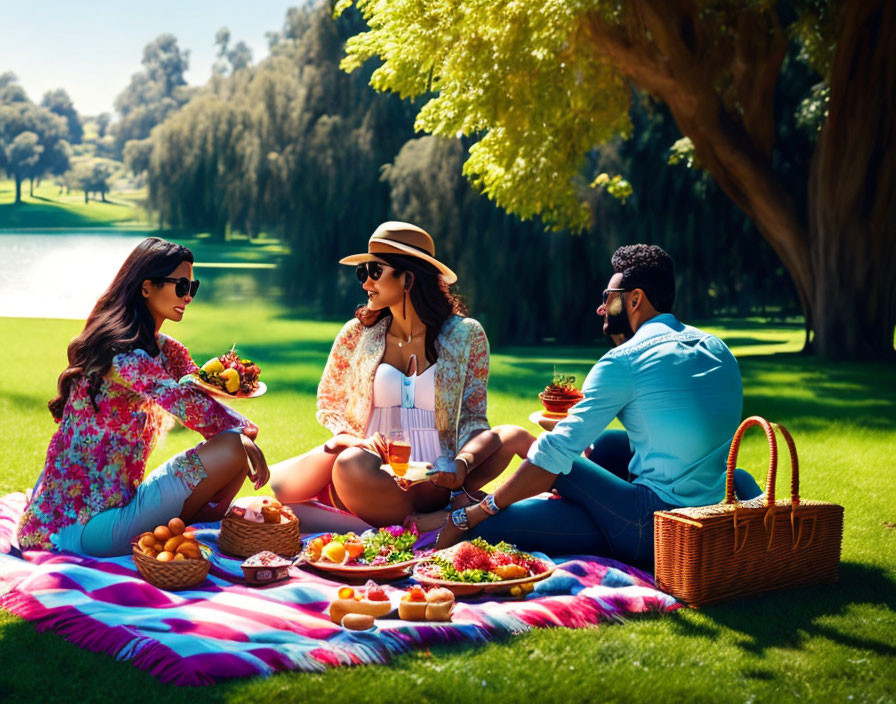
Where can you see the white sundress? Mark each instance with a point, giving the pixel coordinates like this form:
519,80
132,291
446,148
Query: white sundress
408,403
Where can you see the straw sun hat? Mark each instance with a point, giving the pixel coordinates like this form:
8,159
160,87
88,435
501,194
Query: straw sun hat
401,238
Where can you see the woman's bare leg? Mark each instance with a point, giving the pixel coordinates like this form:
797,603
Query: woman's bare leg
372,495
302,478
515,442
226,466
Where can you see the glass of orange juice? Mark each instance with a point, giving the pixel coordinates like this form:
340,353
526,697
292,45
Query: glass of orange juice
399,452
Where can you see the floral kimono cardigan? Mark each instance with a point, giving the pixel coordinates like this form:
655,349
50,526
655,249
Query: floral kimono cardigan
96,458
345,393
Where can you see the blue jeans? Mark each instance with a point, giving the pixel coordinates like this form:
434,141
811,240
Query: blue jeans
600,511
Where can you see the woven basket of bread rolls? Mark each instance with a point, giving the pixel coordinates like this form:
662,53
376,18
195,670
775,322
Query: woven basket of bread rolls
174,575
243,537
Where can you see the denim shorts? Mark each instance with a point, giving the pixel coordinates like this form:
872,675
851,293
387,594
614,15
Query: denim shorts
159,498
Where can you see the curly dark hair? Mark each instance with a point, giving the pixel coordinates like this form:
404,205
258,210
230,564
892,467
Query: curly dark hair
432,298
649,268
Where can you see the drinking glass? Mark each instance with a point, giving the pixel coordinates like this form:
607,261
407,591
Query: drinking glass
399,451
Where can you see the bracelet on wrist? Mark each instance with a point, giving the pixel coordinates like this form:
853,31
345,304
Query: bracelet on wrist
464,457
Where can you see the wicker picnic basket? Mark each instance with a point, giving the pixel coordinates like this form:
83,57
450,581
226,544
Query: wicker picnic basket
245,538
174,575
707,554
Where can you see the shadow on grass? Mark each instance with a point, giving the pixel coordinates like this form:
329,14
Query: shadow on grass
23,402
45,667
743,341
39,215
786,619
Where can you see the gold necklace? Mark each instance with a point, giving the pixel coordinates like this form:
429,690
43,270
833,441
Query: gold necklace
410,338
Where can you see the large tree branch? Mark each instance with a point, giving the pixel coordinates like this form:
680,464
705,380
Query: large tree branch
759,52
660,62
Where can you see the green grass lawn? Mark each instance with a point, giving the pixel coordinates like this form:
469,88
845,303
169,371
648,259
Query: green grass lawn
834,643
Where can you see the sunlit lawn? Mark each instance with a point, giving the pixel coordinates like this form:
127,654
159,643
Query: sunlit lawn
50,207
834,643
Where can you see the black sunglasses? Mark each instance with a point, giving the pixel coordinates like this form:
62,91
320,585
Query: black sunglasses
608,291
182,285
372,269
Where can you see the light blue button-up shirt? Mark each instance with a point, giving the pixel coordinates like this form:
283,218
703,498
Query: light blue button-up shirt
677,391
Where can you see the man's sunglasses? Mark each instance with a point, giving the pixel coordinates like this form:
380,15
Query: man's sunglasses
608,291
182,285
372,269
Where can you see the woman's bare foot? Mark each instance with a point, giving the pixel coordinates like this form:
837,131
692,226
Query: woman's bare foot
426,522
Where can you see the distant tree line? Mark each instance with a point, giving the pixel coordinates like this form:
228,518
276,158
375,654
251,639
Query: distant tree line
296,147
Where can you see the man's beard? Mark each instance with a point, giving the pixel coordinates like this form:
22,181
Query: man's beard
618,327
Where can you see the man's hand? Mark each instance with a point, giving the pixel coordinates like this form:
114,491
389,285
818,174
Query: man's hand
251,431
343,441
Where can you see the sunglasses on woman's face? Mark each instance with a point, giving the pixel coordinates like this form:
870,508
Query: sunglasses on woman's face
372,269
182,286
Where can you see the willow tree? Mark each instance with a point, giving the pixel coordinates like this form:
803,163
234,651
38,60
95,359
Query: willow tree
541,83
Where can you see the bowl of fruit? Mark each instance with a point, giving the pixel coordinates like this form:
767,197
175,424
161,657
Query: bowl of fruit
230,376
170,557
560,395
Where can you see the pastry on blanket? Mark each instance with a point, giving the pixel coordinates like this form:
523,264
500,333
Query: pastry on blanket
370,600
412,606
439,604
434,605
265,567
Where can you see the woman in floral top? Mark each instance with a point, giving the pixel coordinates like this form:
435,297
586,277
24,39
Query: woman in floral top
407,362
116,397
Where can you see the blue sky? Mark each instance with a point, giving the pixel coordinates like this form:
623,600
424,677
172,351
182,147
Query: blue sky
92,47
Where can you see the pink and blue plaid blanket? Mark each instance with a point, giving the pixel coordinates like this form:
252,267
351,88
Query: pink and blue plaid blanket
224,629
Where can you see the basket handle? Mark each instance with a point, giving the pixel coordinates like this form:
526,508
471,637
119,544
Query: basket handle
769,429
794,464
732,458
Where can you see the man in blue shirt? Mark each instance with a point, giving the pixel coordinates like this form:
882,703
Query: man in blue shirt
678,393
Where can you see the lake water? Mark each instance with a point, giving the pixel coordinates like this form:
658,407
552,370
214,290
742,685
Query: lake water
53,274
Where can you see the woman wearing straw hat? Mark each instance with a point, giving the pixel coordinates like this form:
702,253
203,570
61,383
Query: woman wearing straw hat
408,362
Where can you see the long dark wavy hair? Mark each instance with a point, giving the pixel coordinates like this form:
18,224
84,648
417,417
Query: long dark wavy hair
431,297
120,321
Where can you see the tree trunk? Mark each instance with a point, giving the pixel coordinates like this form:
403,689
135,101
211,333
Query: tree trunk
31,187
852,191
86,196
18,189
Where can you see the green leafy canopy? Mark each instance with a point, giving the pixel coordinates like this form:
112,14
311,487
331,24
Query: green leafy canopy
511,73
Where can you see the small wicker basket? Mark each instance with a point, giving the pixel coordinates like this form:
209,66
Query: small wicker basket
244,538
174,575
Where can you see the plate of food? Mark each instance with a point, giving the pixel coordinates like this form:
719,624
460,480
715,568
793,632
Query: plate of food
379,553
477,567
230,376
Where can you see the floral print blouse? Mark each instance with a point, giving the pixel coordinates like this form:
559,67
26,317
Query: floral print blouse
345,393
97,458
